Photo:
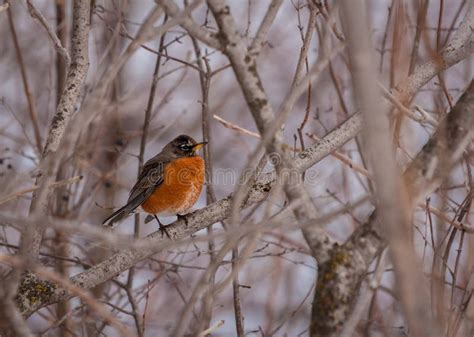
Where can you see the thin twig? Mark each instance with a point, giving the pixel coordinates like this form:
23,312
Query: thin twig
35,13
212,328
365,297
239,318
306,39
205,73
29,96
235,127
146,124
420,26
34,188
4,7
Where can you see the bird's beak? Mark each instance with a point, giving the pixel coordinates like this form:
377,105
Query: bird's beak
198,146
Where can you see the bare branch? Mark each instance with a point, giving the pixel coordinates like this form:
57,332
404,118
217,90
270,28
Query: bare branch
24,76
188,23
333,300
178,230
245,69
31,238
393,204
268,211
4,7
235,127
58,279
259,40
334,296
211,329
35,13
34,188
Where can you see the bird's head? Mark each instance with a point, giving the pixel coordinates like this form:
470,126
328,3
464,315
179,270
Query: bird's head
183,146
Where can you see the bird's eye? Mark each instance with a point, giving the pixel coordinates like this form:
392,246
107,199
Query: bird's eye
184,147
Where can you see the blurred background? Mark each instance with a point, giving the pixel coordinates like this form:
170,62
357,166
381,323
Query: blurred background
277,279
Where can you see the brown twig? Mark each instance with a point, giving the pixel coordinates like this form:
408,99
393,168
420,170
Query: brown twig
420,26
29,95
235,127
306,39
205,74
4,7
151,98
211,329
36,14
34,188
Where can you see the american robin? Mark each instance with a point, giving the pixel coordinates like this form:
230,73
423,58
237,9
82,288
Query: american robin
169,183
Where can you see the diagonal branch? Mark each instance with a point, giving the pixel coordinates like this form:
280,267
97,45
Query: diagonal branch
154,243
259,40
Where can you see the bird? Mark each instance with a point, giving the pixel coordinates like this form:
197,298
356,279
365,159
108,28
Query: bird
168,184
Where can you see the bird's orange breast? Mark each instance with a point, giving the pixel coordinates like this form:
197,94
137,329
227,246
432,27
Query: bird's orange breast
182,184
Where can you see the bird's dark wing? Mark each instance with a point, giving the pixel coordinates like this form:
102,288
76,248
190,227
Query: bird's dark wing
151,176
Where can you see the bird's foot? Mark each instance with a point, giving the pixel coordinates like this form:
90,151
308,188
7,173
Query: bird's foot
162,228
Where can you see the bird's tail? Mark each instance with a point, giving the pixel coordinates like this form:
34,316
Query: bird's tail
125,211
116,216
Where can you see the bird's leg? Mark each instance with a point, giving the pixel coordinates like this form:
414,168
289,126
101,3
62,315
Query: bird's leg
161,227
184,218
